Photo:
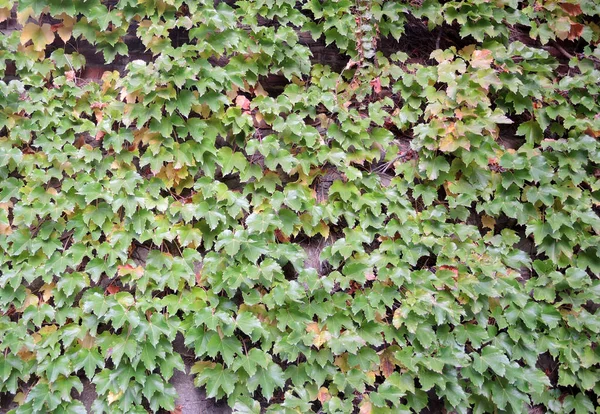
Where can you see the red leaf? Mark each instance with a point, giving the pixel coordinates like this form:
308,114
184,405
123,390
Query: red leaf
571,9
576,31
450,268
112,289
57,26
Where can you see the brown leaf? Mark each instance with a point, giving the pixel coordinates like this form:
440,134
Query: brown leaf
282,238
571,9
87,342
70,75
593,133
576,31
178,410
198,276
487,221
98,105
386,363
342,363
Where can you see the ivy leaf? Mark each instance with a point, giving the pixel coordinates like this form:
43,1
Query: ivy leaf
41,36
248,323
504,393
217,380
229,160
250,362
268,379
88,360
490,357
531,131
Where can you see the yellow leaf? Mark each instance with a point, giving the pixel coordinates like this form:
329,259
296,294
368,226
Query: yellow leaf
47,291
24,15
65,31
39,35
48,329
342,363
448,143
30,299
19,398
111,398
321,335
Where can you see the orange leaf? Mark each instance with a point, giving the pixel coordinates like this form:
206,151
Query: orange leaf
112,289
366,407
282,238
5,229
242,102
323,395
571,9
4,14
452,269
482,59
376,84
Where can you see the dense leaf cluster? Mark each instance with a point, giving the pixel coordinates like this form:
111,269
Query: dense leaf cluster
452,201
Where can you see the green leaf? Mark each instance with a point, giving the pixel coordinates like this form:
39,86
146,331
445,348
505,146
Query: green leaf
490,357
531,131
218,381
268,379
88,360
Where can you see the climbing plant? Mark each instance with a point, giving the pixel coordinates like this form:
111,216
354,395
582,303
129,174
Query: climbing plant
443,169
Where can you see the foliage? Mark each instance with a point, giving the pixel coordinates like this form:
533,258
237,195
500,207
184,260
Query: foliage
178,196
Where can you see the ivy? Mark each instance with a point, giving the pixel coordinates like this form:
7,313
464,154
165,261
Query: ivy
414,224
